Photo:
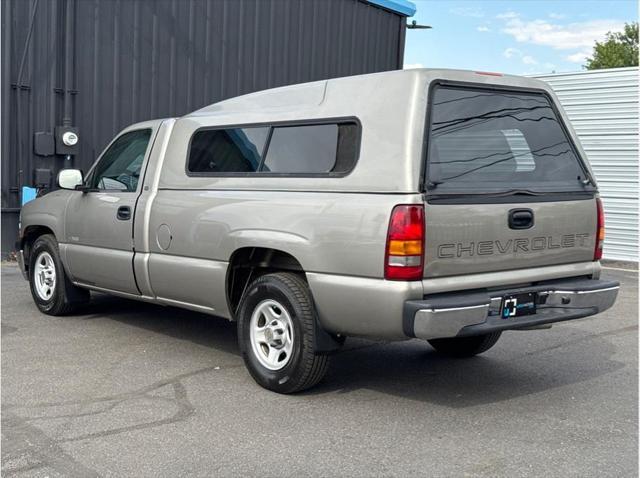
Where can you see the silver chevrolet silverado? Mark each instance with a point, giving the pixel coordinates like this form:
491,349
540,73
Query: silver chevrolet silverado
437,204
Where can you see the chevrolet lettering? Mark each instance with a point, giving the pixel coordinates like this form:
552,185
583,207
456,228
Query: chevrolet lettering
524,244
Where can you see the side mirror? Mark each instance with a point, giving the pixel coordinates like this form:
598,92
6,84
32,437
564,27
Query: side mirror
69,178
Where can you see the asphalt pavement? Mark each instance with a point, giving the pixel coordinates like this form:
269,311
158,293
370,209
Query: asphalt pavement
127,389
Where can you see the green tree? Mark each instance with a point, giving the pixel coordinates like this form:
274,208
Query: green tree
618,50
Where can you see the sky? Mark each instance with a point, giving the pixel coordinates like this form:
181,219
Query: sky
517,36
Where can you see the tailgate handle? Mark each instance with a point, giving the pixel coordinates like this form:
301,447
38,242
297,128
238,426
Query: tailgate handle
520,218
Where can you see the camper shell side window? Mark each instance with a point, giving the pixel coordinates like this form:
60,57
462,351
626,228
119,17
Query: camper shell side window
302,148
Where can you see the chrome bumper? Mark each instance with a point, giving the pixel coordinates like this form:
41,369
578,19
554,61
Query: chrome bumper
465,314
23,269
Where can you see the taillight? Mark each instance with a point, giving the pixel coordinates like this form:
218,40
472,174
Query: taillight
597,254
404,257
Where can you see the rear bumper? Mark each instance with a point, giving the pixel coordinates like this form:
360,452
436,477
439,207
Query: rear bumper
475,313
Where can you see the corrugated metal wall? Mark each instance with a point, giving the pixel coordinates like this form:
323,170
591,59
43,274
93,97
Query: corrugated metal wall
603,108
139,59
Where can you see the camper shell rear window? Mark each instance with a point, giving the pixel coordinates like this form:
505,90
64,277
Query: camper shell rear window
494,140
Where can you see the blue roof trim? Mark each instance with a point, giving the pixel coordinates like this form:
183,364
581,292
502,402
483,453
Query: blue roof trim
403,7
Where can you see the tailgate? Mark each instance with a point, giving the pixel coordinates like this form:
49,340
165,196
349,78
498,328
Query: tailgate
474,238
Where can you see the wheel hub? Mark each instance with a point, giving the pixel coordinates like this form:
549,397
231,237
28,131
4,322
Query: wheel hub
271,334
44,276
274,334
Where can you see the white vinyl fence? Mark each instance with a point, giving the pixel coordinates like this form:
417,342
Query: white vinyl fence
603,108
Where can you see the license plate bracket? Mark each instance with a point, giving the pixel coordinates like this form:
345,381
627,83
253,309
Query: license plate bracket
517,305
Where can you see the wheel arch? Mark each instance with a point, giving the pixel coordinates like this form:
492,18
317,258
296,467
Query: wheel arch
248,263
29,236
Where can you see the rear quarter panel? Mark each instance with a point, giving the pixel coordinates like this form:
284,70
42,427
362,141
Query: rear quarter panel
326,232
332,233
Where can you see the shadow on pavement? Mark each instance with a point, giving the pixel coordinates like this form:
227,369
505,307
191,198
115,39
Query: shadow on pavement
202,329
415,371
409,369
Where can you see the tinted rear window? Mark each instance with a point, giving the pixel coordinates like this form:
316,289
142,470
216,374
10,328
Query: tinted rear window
487,140
301,149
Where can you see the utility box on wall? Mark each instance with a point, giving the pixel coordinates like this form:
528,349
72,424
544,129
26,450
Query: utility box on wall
99,66
67,140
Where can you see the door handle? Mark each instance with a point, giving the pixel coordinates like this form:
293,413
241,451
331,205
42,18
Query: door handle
124,213
520,219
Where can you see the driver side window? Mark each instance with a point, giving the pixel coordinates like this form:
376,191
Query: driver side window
120,165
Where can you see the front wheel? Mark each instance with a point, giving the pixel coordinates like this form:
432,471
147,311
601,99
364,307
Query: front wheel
52,291
465,346
276,327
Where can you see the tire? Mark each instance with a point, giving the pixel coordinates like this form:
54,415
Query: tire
465,346
276,328
51,289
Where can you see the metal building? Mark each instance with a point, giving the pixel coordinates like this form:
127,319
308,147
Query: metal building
603,108
94,66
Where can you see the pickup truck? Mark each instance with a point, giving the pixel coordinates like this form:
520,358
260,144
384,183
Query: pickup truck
441,205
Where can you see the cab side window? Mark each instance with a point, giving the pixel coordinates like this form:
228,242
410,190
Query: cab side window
120,166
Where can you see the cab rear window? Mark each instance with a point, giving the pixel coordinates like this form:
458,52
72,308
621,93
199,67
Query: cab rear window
484,140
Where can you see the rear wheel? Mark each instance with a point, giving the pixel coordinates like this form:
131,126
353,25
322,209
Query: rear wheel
276,327
51,289
465,346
